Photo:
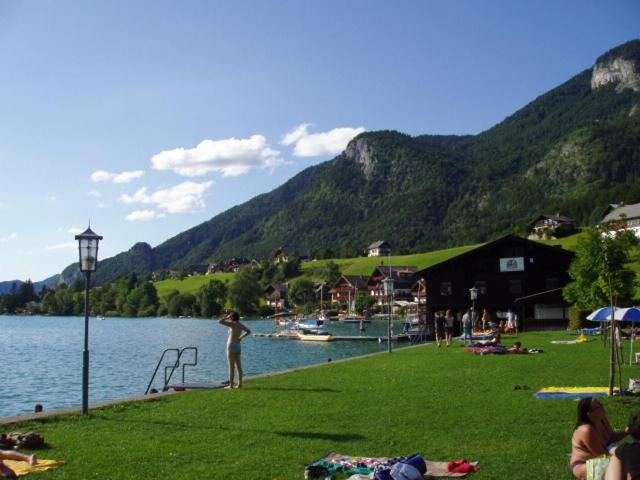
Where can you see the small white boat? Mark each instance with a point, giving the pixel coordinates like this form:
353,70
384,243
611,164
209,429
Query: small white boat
100,317
355,320
315,337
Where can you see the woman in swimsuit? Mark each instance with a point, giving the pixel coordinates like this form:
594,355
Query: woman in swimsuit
237,332
5,471
592,435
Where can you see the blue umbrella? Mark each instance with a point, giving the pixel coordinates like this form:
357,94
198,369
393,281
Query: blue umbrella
602,314
628,315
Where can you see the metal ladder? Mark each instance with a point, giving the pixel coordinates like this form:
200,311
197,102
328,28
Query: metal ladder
171,368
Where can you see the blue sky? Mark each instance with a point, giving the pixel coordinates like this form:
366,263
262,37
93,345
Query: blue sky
152,117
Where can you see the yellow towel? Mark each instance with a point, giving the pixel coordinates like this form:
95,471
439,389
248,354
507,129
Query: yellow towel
576,389
23,468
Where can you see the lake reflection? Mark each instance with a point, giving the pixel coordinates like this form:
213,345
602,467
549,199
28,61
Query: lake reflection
42,356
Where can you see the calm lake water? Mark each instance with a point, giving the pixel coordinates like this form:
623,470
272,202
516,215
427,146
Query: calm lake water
42,356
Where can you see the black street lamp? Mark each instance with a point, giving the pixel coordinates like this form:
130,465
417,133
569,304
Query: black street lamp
388,291
473,293
88,250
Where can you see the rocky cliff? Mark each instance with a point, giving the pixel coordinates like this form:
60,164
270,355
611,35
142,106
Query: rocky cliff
620,67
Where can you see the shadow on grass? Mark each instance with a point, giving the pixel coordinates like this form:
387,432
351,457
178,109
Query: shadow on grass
334,437
297,389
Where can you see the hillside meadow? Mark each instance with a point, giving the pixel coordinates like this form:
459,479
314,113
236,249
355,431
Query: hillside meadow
444,403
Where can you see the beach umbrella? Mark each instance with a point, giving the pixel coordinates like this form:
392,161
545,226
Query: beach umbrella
601,315
632,315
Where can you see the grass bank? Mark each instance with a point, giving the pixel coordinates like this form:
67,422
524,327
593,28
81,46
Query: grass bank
442,402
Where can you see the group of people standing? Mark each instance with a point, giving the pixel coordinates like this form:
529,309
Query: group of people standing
444,324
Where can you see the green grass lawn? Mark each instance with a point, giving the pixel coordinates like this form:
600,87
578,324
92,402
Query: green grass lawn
189,284
444,403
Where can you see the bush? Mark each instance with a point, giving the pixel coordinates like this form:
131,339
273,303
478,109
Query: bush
265,311
577,318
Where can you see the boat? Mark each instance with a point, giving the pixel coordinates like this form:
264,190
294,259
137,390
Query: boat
100,317
311,326
315,337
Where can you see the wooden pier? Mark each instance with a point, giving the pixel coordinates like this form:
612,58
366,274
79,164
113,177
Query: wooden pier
337,338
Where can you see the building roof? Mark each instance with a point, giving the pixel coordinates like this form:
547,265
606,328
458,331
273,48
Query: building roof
623,211
378,244
556,218
288,250
358,281
488,246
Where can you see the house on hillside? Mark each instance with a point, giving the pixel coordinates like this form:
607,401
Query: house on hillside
621,217
277,295
284,253
508,273
546,226
379,249
198,269
347,288
404,279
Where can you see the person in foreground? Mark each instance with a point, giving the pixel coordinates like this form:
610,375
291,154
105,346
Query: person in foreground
592,435
237,332
6,472
625,459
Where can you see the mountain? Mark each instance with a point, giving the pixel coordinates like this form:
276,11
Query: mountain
574,150
6,287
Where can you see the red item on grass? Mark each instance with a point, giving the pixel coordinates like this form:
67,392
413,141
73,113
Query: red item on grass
462,466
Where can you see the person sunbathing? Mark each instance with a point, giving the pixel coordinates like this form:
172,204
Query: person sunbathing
592,435
517,348
5,471
625,459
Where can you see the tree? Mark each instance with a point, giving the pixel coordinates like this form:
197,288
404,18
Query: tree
301,292
245,291
211,298
331,272
599,271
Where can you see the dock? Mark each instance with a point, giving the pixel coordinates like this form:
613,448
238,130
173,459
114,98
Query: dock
338,338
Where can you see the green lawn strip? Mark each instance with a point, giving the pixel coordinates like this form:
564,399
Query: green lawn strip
190,284
444,403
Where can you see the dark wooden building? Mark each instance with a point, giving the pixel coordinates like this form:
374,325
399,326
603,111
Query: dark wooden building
508,273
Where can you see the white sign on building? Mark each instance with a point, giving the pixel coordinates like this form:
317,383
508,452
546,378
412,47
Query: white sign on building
514,264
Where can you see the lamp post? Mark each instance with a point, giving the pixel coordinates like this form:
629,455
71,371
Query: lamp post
88,250
388,291
473,293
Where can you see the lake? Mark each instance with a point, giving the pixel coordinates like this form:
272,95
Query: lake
42,356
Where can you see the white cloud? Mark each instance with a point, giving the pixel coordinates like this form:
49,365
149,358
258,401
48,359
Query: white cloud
316,144
185,197
11,236
62,246
123,177
231,157
95,193
143,215
51,198
75,231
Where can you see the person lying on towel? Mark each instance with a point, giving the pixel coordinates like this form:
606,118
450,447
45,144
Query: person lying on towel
592,436
517,348
5,471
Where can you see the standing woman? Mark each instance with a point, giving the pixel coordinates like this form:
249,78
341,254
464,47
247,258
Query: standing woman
237,332
448,326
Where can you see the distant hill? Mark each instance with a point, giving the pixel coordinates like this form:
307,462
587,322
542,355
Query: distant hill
5,287
572,150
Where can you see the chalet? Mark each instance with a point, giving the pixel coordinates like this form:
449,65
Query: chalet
286,251
508,273
404,279
198,269
347,288
551,225
276,295
626,217
379,249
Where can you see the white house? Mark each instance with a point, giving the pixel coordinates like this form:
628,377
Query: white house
379,249
626,217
